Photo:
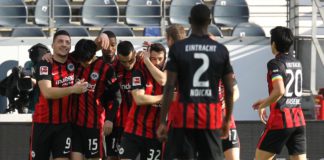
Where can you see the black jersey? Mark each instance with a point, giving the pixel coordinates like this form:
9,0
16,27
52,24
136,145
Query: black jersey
200,63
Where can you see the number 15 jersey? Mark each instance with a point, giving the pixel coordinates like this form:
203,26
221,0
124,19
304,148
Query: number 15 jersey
200,63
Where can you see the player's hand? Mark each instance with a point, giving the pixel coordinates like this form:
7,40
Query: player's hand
256,105
263,115
48,57
140,55
80,87
162,132
225,130
102,41
108,127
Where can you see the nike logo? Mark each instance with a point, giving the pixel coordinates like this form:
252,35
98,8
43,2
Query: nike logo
93,153
234,142
54,73
66,152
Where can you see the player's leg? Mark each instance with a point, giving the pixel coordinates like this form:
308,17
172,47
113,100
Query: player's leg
61,142
232,154
231,146
180,144
40,142
209,144
93,139
129,147
271,143
77,143
152,149
297,144
113,143
263,155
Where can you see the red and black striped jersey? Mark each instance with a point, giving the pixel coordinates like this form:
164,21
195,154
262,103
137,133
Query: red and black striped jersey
124,78
200,63
287,111
87,109
144,120
54,111
221,98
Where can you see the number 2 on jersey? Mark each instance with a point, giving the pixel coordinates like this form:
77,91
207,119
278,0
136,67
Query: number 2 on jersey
201,70
294,81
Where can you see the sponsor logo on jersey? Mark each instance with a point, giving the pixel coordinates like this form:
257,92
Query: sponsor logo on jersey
70,67
94,76
136,81
43,70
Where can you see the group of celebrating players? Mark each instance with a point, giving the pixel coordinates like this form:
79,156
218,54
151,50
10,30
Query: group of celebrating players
130,104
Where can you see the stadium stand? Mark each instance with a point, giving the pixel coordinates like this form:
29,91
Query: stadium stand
62,13
76,31
247,29
180,11
213,29
143,12
230,12
13,13
119,30
99,12
28,31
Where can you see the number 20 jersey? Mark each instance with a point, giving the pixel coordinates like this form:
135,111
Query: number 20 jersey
287,111
200,63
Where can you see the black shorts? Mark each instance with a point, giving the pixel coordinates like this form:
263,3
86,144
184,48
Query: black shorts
113,141
49,138
274,140
201,144
232,141
132,145
88,141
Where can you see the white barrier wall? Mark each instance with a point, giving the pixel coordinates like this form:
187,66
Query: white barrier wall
249,57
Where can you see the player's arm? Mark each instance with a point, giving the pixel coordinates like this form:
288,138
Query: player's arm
228,81
111,99
102,41
50,92
143,99
236,93
277,83
168,93
157,74
138,90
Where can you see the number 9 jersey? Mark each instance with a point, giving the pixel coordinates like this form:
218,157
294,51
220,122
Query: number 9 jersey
287,111
200,63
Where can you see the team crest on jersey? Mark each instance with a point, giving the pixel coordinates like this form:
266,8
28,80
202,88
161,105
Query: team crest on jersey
136,81
43,70
94,75
70,67
121,150
33,154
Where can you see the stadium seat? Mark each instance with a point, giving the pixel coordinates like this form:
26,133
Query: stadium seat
152,31
143,12
27,31
180,11
62,12
119,30
75,31
99,12
10,15
213,29
230,12
247,29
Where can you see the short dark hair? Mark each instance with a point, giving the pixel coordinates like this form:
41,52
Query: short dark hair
176,32
37,51
110,34
200,15
158,47
124,48
61,32
84,50
283,38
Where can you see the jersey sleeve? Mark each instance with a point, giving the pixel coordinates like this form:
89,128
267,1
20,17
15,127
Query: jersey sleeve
171,60
275,69
43,71
228,67
138,81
